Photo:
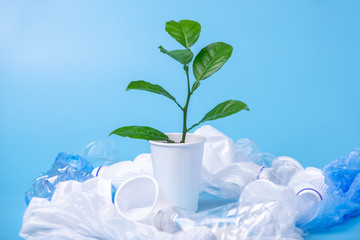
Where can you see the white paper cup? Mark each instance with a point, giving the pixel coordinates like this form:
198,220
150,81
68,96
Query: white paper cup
140,198
177,168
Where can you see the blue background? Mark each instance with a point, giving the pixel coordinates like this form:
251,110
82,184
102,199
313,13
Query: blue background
64,67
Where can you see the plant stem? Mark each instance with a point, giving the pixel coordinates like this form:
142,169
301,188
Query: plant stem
185,108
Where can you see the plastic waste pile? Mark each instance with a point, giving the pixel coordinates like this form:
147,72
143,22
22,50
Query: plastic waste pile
273,197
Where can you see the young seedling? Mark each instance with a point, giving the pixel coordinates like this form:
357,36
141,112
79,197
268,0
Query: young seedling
209,60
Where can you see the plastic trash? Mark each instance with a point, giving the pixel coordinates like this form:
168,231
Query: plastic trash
309,182
83,211
309,186
282,169
246,150
230,181
227,169
65,167
101,152
218,149
140,199
342,201
285,168
263,212
119,172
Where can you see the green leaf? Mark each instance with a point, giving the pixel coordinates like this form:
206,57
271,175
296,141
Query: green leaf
223,110
146,86
195,86
186,32
140,132
182,56
210,59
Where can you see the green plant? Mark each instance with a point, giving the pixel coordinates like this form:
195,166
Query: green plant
209,60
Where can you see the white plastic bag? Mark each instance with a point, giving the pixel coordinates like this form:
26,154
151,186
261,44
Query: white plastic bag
82,211
218,149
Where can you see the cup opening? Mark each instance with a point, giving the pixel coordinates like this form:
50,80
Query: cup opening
136,198
190,139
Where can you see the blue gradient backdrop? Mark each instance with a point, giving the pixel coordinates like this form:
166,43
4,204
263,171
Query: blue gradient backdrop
64,66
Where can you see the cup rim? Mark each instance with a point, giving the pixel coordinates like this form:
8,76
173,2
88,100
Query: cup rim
200,139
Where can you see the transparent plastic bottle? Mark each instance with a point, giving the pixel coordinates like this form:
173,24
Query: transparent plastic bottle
175,219
65,167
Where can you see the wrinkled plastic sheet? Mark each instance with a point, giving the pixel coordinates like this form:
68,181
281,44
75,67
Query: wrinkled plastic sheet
81,211
266,208
85,211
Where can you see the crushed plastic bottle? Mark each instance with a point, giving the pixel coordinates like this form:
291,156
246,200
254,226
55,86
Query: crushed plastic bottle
101,152
65,167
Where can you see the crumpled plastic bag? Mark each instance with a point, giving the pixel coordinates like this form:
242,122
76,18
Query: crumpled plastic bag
230,181
246,150
264,211
282,169
85,211
218,149
65,167
342,199
227,169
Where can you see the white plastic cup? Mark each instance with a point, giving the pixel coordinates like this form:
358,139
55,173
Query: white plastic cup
177,168
310,183
140,199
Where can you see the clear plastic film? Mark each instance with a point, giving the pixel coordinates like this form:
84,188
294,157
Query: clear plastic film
228,168
85,211
82,211
275,197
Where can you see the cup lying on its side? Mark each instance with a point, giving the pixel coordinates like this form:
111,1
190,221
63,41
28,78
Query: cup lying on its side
140,198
